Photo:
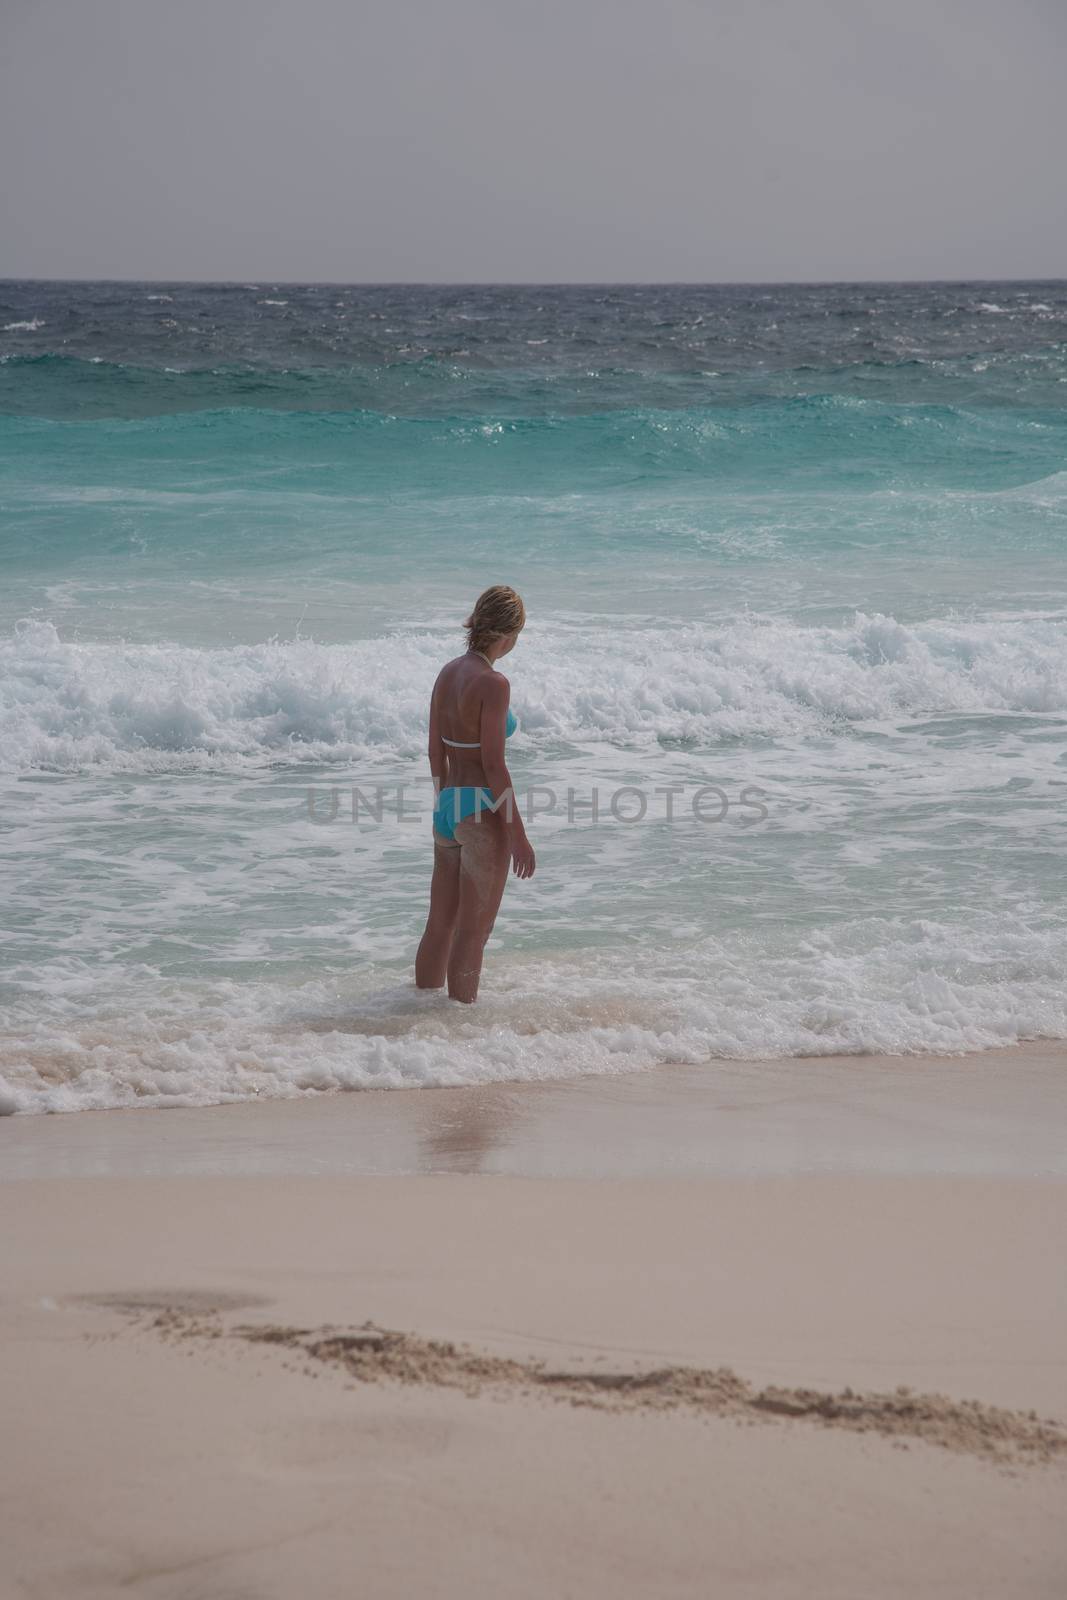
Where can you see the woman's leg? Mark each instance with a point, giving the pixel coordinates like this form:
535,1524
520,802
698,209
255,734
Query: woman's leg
483,872
431,963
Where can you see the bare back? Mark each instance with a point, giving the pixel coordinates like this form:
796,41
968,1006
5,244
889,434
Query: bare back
457,704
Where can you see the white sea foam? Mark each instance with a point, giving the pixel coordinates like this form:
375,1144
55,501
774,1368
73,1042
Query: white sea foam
874,985
897,750
25,327
136,707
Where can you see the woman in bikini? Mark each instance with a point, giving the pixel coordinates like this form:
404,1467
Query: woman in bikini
477,828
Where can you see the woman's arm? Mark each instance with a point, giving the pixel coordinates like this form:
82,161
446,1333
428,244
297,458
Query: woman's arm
437,750
494,729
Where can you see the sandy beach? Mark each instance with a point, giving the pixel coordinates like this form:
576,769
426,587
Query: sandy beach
627,1380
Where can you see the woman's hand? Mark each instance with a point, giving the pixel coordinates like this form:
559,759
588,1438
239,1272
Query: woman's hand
523,859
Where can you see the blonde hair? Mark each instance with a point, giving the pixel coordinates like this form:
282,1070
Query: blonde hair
497,612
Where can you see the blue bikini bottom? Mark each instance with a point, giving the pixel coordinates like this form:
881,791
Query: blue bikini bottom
454,805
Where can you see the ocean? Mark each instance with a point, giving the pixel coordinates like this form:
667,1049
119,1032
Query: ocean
793,561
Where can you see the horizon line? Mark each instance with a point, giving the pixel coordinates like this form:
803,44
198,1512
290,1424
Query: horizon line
539,283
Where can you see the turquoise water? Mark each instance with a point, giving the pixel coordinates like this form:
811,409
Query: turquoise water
802,541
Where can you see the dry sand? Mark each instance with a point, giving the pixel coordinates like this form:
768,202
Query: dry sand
646,1386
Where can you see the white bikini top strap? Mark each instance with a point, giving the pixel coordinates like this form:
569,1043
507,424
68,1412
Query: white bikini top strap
462,744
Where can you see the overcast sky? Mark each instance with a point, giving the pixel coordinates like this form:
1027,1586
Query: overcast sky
533,140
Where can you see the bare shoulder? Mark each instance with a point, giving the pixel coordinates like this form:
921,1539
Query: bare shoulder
447,672
497,691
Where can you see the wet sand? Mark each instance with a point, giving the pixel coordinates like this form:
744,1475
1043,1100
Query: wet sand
1001,1112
